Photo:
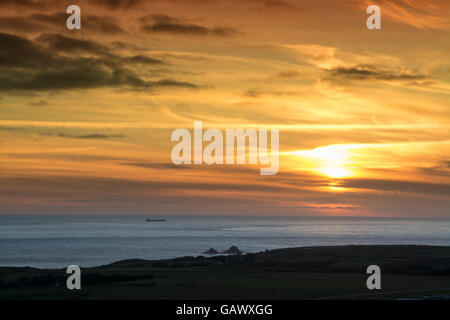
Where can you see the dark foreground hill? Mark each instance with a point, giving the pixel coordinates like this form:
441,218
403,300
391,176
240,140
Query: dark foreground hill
293,273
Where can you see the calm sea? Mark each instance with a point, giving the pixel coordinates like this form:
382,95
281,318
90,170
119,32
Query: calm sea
59,241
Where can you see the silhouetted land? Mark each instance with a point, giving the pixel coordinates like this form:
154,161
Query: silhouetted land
294,273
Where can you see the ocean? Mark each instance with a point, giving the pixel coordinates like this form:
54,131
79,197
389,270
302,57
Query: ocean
60,241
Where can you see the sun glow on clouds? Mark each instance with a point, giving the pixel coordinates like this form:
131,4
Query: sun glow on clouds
332,161
357,110
364,160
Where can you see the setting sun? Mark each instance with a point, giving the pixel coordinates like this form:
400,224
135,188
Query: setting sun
332,161
335,172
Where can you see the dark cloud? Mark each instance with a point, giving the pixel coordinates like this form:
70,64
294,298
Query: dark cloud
224,31
39,22
60,155
19,52
140,59
118,4
39,66
288,74
21,24
215,168
65,135
39,4
39,103
73,45
84,74
92,136
102,24
80,46
121,45
158,18
23,3
189,57
442,169
156,165
397,186
166,24
254,93
279,5
369,72
85,185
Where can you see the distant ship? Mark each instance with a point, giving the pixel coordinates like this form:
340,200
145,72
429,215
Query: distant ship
155,220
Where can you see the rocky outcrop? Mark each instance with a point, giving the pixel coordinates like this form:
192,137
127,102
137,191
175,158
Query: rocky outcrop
211,251
233,250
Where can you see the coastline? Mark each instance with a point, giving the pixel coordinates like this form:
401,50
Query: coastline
56,242
290,273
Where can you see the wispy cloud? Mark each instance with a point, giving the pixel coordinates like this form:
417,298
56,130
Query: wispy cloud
91,136
370,72
53,22
421,14
39,103
166,24
118,4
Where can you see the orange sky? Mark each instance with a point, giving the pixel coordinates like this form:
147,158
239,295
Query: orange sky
364,116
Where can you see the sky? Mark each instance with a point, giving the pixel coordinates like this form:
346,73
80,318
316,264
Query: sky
86,115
